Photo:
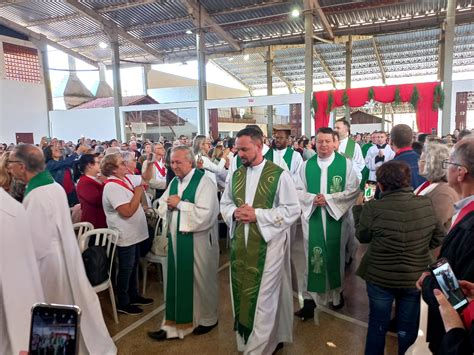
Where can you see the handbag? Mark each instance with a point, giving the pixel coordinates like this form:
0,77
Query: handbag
160,242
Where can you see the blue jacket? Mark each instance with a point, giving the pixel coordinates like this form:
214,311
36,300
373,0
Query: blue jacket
57,168
411,158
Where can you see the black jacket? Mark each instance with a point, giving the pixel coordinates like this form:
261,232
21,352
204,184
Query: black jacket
458,248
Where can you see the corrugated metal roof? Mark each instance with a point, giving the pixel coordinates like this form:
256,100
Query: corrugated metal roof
162,25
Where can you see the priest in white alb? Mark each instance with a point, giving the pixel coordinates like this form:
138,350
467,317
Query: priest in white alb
62,273
328,187
190,207
259,205
20,284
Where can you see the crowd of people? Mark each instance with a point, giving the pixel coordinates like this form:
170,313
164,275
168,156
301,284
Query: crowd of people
262,188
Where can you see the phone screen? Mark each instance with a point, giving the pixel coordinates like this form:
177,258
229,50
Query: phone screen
448,283
54,329
369,191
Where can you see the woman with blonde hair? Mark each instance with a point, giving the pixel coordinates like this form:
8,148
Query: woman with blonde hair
436,187
13,187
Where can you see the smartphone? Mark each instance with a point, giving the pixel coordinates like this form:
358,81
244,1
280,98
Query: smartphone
448,283
54,329
369,190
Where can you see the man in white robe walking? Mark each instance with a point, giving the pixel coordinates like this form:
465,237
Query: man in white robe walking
352,151
60,264
20,285
190,207
328,187
259,205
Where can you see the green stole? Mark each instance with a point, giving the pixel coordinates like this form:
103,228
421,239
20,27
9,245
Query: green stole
40,179
324,254
179,292
238,162
350,148
365,172
287,157
247,262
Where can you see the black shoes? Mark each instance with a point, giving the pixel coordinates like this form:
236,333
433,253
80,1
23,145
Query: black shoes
307,312
203,329
141,301
159,335
340,305
130,309
278,348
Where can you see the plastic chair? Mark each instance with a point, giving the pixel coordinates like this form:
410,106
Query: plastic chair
81,227
106,238
155,259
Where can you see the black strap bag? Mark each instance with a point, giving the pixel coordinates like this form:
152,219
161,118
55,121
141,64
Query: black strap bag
96,264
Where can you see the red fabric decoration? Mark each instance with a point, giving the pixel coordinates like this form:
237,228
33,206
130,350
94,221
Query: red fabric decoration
426,117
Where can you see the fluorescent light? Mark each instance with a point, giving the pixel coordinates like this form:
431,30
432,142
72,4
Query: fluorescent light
230,59
103,45
295,12
189,32
246,57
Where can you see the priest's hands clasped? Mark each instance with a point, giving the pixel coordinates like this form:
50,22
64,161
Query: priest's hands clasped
245,214
319,200
173,201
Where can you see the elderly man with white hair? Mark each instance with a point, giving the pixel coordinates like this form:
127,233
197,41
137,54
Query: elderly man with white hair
190,207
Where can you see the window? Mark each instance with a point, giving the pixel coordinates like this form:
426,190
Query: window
21,63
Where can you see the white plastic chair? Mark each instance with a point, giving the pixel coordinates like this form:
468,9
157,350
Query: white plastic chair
81,227
155,259
106,238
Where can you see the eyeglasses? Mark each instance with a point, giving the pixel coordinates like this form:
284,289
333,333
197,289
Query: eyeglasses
14,161
446,163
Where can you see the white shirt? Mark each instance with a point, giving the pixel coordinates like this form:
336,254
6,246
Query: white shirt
358,162
372,153
158,181
133,229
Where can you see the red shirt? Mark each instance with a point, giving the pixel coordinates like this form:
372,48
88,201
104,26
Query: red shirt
89,192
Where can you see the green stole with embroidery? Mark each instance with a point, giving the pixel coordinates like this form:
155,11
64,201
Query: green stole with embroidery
350,148
287,157
180,286
40,179
324,253
365,172
247,262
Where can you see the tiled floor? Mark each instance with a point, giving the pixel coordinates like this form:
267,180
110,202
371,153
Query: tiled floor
333,335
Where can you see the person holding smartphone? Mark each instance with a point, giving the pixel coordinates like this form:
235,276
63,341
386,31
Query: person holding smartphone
459,337
458,246
397,253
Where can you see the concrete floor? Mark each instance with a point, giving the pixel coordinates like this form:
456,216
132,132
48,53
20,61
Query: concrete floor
341,332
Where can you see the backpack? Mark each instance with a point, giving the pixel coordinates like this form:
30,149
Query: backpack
96,264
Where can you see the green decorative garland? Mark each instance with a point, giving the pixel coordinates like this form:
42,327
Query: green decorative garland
330,103
371,93
415,96
438,99
398,98
314,105
345,99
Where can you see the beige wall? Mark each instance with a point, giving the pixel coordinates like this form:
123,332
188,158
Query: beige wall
157,80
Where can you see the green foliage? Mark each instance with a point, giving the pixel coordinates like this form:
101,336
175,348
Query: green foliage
415,96
398,99
314,105
438,99
330,103
345,99
371,93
